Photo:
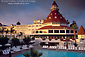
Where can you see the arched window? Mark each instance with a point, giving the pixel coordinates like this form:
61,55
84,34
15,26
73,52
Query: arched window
55,16
40,31
36,31
49,17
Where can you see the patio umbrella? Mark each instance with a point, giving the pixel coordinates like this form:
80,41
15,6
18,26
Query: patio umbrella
38,40
7,44
32,41
0,45
47,40
46,43
30,46
53,40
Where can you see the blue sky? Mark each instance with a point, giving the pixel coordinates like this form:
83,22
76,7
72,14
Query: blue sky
26,14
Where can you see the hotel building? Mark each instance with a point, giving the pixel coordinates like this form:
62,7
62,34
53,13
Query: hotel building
54,26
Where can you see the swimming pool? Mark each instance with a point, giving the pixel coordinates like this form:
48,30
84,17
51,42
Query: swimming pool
51,53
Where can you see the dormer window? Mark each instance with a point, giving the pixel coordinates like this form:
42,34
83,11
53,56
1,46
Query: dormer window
60,17
49,17
55,17
51,13
63,27
55,13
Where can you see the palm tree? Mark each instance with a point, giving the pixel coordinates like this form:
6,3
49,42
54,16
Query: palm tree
11,31
14,34
6,31
2,31
18,23
33,53
27,40
74,27
68,22
20,34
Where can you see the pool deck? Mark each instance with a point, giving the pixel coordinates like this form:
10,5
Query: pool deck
40,48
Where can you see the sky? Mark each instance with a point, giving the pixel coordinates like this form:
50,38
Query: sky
26,14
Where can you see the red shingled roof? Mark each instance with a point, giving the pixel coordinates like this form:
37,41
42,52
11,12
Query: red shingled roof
81,31
55,27
55,13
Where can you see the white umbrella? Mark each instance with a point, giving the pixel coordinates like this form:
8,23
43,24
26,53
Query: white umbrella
53,40
7,44
46,40
32,41
38,40
0,45
30,46
46,43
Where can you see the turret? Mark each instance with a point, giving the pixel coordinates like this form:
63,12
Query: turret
54,6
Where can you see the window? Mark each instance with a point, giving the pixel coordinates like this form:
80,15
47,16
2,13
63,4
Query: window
67,31
36,31
51,13
56,31
72,31
75,31
36,25
62,31
40,25
55,17
60,17
50,31
32,26
29,26
40,31
49,17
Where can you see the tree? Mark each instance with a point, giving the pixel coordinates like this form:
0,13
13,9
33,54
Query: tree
2,31
33,38
33,53
6,32
11,31
27,40
18,23
20,34
74,27
3,41
15,41
67,22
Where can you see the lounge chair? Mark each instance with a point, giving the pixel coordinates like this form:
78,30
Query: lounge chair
52,47
45,47
5,52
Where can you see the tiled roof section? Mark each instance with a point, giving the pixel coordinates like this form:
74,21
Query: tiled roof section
54,3
55,27
81,31
55,16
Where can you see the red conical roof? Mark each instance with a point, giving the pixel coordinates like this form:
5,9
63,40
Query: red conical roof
55,16
81,31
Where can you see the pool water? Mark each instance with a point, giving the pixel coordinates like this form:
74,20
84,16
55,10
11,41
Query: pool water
51,53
